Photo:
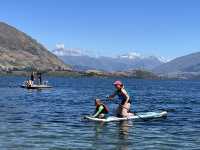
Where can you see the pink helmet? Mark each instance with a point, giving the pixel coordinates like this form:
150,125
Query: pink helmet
118,83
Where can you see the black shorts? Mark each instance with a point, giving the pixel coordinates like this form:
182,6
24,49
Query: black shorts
123,102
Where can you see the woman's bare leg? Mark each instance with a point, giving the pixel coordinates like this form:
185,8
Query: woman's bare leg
125,110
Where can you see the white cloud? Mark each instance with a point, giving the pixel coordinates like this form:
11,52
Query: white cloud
62,51
60,46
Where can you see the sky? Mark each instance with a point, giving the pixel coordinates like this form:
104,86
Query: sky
168,28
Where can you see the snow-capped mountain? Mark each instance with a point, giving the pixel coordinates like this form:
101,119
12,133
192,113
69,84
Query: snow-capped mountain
138,56
80,59
131,55
162,59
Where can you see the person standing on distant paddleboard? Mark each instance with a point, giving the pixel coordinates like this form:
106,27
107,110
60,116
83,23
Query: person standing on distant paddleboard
123,108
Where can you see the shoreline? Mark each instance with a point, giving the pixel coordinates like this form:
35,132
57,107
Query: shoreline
69,73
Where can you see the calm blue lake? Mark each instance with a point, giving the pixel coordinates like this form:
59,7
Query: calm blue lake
52,119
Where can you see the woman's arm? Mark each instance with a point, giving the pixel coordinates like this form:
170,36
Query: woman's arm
113,95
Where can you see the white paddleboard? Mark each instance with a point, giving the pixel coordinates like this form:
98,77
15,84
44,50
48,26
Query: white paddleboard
143,116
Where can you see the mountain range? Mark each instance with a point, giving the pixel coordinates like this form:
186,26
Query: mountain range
130,61
185,65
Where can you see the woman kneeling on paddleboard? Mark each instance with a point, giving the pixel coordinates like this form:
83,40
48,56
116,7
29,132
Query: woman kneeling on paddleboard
101,109
124,108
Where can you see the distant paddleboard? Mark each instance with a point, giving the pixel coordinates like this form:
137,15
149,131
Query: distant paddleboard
36,86
143,116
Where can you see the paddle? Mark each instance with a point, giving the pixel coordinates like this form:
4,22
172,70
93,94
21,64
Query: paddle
140,116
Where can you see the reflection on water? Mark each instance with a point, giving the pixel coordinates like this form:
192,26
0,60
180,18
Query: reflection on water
123,128
123,134
102,133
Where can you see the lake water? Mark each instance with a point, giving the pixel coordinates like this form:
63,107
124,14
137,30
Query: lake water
52,119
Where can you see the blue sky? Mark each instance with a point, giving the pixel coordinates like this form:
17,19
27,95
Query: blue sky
168,28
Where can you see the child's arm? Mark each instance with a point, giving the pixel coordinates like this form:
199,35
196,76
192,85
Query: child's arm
98,112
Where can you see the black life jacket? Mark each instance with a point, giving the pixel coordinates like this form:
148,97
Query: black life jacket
122,97
105,108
